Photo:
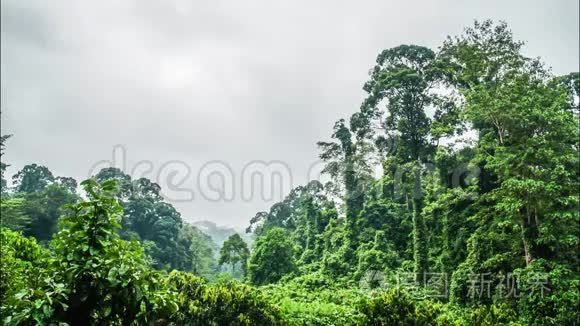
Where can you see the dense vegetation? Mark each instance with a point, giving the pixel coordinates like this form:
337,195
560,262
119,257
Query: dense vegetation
474,220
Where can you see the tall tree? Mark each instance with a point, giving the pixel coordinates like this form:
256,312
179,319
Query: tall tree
272,257
13,214
3,164
109,278
202,250
403,78
195,252
67,182
32,178
148,217
235,252
44,208
348,164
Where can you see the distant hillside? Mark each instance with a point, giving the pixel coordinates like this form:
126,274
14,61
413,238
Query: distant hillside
219,233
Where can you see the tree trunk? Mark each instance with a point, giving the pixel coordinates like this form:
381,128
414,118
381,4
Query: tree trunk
527,253
420,250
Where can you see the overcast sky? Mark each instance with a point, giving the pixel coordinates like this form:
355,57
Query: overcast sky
233,81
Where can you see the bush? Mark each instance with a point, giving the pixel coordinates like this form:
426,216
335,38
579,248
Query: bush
392,307
315,299
272,257
21,267
90,276
552,294
226,303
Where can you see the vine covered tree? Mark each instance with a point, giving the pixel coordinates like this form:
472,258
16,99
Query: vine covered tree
235,252
474,216
272,257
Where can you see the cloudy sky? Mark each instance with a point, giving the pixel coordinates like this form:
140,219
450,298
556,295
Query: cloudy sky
181,84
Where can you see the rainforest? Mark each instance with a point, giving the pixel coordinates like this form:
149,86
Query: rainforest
473,219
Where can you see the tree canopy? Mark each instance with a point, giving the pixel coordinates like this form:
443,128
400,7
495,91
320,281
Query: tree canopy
472,221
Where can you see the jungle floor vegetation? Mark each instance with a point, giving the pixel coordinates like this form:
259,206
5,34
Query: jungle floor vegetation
474,220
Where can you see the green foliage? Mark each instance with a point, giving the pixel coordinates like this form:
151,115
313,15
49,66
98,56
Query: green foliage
505,202
44,207
235,251
157,224
21,267
479,149
32,178
12,212
93,276
479,315
390,308
403,76
552,294
68,183
37,203
3,165
201,250
272,257
314,299
226,303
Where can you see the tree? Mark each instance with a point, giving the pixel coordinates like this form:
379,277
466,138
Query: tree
13,215
44,208
94,277
304,214
403,77
22,268
571,83
348,165
480,151
272,257
286,214
40,196
67,182
523,119
3,165
483,54
235,251
201,251
32,178
536,186
225,303
384,236
148,218
122,179
110,279
194,251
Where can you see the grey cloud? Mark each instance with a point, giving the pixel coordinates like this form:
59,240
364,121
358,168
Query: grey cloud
223,80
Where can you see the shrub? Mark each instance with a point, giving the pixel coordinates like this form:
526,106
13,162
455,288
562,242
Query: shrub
21,267
226,303
91,276
392,307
